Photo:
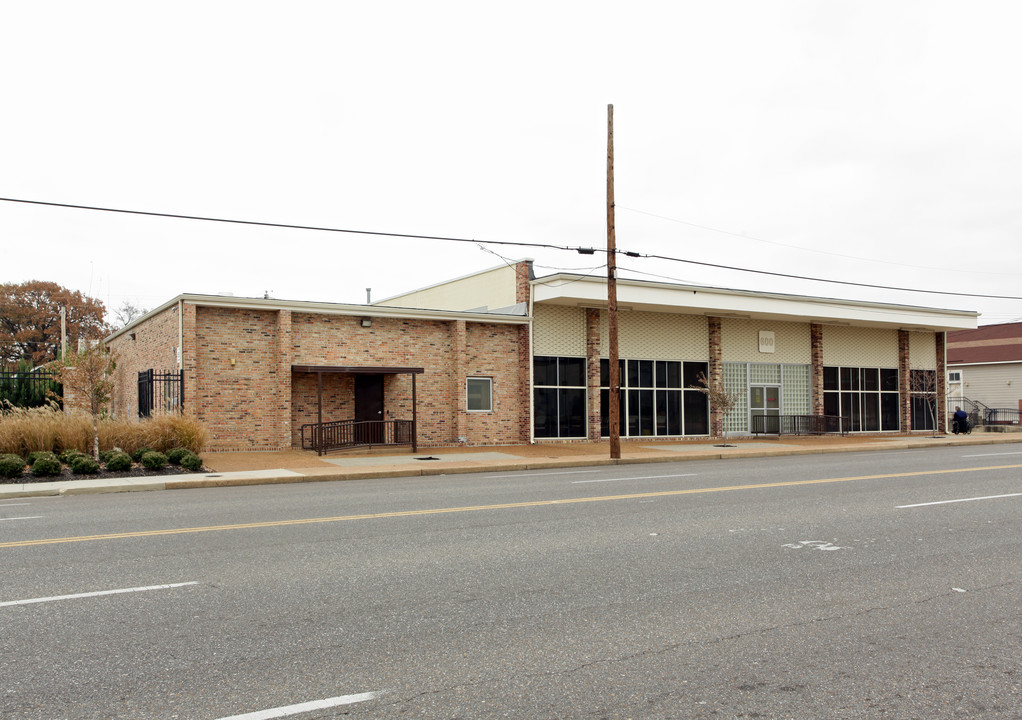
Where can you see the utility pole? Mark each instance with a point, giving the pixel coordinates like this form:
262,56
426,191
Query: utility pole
63,333
614,392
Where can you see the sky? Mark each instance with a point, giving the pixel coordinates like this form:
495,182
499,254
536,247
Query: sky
859,141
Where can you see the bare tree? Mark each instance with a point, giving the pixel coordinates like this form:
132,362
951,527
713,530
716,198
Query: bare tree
923,385
722,402
127,313
86,377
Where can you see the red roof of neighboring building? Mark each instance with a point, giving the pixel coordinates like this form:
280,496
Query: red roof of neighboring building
990,343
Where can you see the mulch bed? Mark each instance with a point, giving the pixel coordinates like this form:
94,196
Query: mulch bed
135,472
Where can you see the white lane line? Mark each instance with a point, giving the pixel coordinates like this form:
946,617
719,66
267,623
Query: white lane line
532,474
14,504
23,517
646,477
990,454
948,502
305,707
95,594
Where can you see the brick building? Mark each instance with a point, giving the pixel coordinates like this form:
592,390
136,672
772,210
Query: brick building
503,357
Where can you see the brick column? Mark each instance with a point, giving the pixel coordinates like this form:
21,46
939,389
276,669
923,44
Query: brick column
189,361
593,371
523,277
904,382
523,274
524,384
941,382
285,358
716,378
460,404
816,369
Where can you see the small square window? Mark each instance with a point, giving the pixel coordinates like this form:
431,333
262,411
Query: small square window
480,394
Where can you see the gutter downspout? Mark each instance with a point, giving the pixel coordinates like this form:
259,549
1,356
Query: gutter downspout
532,364
180,335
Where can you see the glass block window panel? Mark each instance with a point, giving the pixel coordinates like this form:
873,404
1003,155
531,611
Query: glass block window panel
736,382
797,383
764,374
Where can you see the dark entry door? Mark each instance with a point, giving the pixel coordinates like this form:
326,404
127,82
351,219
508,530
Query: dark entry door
369,407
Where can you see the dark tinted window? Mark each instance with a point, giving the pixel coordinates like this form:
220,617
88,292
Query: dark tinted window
544,370
572,371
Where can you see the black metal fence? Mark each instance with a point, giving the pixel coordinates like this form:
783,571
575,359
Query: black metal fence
352,433
27,388
798,424
160,392
1002,416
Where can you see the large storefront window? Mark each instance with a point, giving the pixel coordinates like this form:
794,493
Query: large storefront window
559,397
867,398
656,398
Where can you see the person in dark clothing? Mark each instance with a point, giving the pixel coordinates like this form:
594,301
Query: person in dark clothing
960,422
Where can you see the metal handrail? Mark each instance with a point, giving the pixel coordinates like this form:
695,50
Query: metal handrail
340,434
797,424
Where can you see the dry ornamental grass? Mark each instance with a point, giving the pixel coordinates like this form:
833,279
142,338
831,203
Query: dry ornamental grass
25,430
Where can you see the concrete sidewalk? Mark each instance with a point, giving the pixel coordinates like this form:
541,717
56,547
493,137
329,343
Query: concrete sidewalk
289,466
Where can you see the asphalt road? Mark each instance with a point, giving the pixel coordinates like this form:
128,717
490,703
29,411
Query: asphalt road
868,585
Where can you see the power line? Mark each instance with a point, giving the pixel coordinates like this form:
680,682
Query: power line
580,250
836,282
807,249
292,227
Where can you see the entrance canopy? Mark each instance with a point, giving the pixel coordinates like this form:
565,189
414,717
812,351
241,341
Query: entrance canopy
319,370
357,369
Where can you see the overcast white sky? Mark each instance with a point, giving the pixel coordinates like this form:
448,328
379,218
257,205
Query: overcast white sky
871,142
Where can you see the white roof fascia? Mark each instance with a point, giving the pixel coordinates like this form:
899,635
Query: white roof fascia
324,308
579,291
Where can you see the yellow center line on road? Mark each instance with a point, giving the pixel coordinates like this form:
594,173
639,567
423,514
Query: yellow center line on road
502,506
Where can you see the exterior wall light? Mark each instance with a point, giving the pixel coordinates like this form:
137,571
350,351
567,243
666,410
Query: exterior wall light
367,322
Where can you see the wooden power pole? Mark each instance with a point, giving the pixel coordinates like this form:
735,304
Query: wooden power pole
614,392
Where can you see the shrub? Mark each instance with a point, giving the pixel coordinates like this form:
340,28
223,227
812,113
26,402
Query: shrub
105,455
153,460
35,455
174,456
11,466
192,462
118,462
84,465
46,464
68,456
137,455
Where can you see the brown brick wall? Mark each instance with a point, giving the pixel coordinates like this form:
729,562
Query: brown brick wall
153,348
448,351
237,376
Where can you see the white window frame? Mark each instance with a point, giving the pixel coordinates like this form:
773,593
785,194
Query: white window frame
489,394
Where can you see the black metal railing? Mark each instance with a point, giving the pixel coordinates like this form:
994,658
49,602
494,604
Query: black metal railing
26,388
1002,416
797,424
160,392
340,434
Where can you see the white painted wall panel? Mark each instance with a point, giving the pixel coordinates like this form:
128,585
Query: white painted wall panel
559,330
860,347
922,350
740,341
658,336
